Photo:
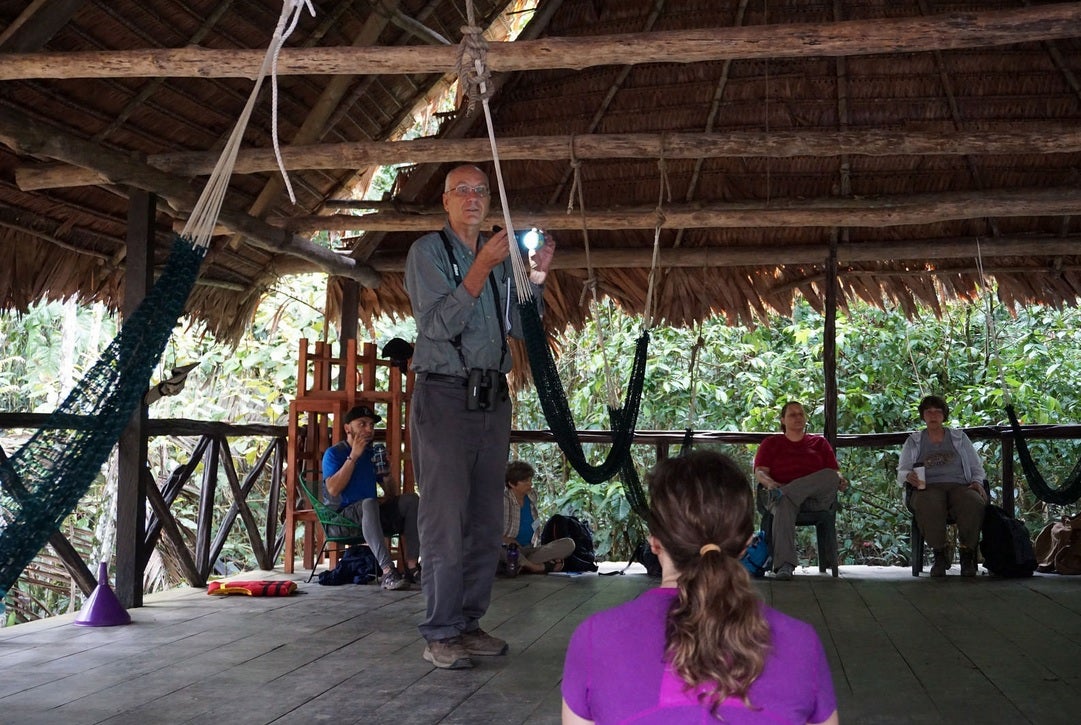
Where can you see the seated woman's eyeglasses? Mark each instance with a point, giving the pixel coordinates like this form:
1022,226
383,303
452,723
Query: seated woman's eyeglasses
466,190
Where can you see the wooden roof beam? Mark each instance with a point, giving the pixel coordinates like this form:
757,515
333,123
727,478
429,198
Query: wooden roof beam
917,251
943,31
877,212
27,136
1024,138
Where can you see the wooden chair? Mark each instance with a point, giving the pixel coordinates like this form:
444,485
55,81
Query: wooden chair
918,545
825,523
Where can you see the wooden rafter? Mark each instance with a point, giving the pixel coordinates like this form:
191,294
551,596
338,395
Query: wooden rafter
1024,138
944,31
20,133
876,212
918,251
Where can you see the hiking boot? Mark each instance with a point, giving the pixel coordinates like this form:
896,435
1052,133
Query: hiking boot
478,642
448,654
968,562
938,569
784,574
393,580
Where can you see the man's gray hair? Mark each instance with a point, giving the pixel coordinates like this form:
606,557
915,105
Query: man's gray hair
446,179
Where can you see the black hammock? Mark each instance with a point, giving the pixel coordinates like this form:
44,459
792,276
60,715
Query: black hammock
632,484
1067,493
557,411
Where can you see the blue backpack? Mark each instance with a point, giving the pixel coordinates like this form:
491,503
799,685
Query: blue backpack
757,556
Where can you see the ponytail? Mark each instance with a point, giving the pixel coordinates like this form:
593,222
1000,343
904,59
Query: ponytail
715,634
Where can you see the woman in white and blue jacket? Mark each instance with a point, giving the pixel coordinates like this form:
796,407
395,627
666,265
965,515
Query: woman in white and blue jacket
952,487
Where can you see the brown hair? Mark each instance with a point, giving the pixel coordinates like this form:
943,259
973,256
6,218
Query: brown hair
716,633
934,401
518,471
784,409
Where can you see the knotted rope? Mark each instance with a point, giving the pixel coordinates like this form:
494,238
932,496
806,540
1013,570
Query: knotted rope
664,191
590,286
473,82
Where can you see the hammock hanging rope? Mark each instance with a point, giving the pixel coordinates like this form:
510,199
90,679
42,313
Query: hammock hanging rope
1069,491
41,484
473,83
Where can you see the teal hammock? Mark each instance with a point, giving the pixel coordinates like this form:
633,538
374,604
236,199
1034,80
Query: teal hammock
41,484
1067,493
553,400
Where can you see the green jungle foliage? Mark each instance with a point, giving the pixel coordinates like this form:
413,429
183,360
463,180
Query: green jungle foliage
885,364
739,379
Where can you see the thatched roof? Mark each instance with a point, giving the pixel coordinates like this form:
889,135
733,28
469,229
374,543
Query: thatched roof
898,135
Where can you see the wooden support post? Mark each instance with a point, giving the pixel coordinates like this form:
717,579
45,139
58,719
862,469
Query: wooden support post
348,326
1007,474
132,447
829,348
207,493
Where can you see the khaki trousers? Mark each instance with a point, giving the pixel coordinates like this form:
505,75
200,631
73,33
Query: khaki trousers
941,501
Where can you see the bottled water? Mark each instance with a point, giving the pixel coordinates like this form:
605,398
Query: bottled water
379,460
513,565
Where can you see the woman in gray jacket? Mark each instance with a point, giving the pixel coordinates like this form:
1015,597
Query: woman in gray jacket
951,485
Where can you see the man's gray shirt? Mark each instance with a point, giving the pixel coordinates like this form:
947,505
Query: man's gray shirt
444,309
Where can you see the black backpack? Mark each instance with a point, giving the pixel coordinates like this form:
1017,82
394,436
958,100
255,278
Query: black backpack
560,526
357,566
1006,545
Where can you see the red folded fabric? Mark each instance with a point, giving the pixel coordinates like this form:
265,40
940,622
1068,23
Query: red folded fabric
254,588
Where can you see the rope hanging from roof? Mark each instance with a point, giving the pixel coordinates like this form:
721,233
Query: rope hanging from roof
632,483
41,484
553,398
1069,490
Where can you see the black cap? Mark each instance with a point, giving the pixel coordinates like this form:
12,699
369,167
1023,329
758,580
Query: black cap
361,411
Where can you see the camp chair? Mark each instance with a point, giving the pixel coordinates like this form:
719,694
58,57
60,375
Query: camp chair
825,523
917,543
328,518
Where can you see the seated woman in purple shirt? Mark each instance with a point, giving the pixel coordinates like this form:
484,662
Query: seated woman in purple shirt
701,647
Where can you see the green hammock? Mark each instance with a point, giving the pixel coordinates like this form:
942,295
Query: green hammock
41,484
557,411
1067,493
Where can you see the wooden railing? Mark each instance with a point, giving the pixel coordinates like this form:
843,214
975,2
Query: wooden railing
266,536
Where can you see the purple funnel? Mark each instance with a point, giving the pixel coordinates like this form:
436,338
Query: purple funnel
102,609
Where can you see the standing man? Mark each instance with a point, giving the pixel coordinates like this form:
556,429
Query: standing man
462,290
349,479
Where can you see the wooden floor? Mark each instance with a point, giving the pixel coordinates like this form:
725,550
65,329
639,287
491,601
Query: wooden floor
902,650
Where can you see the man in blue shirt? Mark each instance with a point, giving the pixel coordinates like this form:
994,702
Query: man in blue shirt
349,479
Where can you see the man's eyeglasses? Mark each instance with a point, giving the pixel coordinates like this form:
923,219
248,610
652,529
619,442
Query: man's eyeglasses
466,190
